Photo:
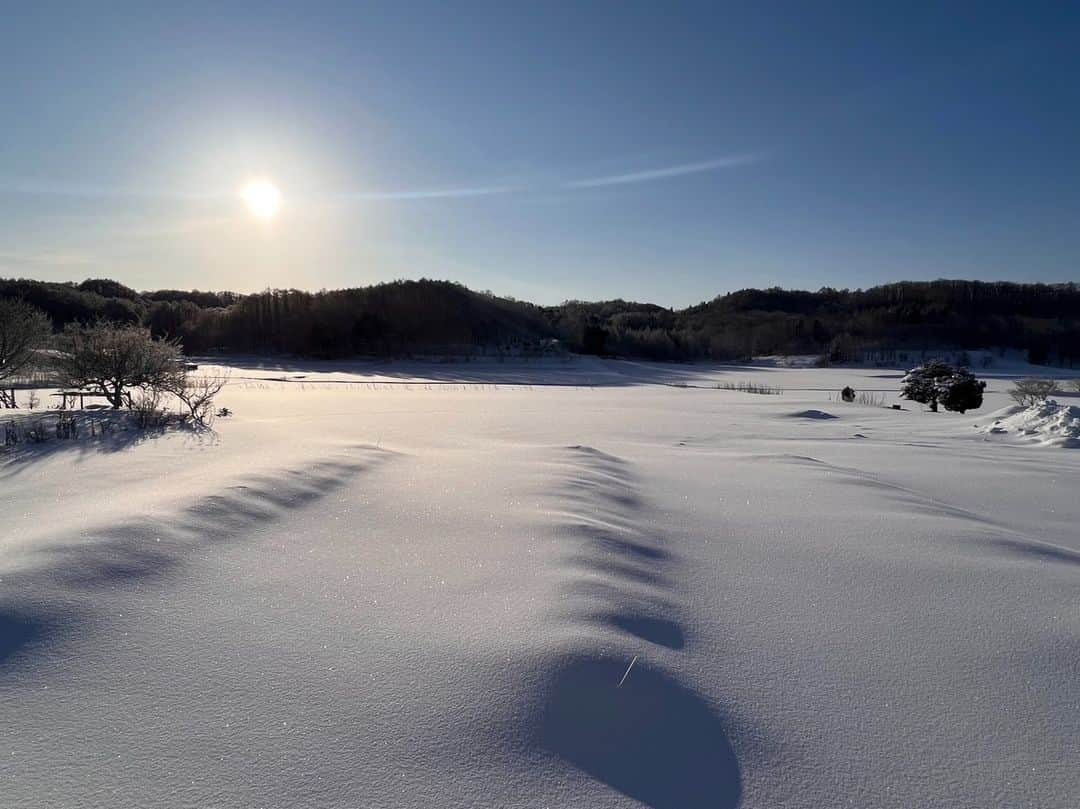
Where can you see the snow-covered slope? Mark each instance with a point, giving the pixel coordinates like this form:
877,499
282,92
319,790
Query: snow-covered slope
593,587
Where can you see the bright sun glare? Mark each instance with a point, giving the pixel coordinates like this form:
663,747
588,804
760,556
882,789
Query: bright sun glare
262,198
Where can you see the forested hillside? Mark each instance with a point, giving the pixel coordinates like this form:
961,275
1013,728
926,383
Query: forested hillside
1043,319
439,317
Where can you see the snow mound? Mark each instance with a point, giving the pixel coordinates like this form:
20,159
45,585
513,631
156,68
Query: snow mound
1048,423
811,414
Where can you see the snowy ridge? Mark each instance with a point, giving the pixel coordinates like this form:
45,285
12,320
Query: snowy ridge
967,526
629,721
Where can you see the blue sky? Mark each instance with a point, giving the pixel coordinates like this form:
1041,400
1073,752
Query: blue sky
655,151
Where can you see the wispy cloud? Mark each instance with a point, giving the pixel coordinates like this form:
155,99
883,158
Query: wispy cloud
433,193
50,188
46,258
665,173
76,190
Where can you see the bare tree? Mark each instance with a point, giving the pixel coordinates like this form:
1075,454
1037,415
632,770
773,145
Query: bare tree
1032,391
23,328
111,360
197,394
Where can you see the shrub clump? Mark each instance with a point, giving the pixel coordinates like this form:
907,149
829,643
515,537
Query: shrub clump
750,387
938,383
1029,392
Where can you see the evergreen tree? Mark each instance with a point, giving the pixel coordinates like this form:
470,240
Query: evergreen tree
936,382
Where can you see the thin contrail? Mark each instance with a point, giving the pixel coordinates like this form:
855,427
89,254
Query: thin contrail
664,173
78,190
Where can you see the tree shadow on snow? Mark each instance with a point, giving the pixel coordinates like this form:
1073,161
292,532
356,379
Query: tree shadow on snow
641,731
651,738
14,460
1032,549
61,585
658,630
17,630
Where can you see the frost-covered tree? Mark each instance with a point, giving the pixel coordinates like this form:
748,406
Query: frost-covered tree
937,382
111,360
23,328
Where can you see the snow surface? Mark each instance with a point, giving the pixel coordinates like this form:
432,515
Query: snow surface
1048,423
421,585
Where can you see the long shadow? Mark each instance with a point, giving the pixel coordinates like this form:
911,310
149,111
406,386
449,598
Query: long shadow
651,738
910,499
14,460
1033,549
990,533
56,591
18,628
654,629
629,723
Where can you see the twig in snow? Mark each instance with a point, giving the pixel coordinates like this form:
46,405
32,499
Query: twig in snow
627,674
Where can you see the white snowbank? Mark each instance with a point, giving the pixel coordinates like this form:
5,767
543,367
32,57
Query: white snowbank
1047,423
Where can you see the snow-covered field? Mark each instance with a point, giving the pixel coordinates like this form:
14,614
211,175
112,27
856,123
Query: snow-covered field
607,584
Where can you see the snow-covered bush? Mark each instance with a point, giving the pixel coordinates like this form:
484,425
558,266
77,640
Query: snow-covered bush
112,360
1027,392
937,382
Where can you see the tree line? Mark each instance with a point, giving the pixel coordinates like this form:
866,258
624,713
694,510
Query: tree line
425,316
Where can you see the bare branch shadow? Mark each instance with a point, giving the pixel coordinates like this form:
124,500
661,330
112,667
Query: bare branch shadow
50,594
118,436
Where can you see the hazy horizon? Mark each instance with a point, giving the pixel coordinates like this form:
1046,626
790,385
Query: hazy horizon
653,153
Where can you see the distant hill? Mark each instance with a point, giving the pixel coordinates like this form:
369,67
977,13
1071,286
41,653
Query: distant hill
1043,319
428,316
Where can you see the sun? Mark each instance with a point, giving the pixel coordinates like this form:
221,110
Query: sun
262,198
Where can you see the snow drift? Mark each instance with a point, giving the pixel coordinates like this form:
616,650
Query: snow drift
1048,423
